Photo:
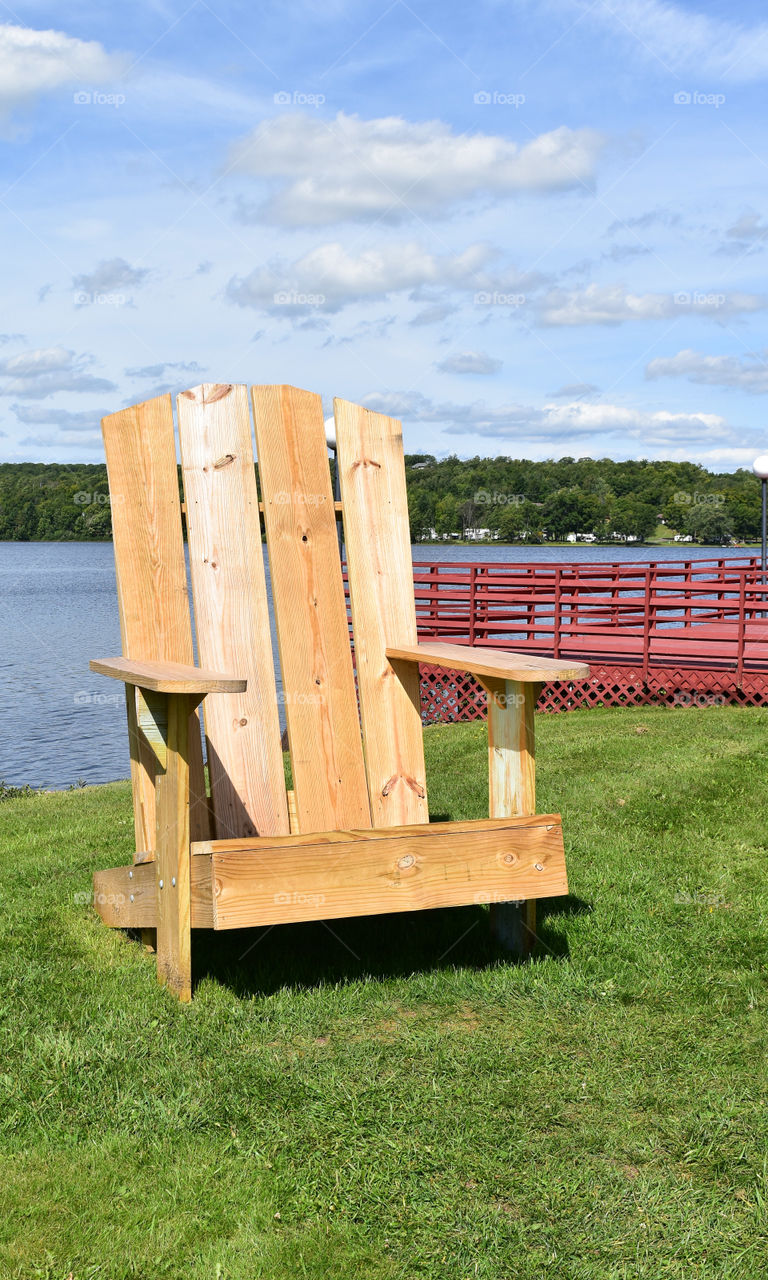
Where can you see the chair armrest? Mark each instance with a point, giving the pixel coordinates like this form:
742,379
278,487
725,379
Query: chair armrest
498,664
167,677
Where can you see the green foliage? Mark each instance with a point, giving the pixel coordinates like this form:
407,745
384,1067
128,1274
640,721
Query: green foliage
527,501
42,501
391,1099
521,500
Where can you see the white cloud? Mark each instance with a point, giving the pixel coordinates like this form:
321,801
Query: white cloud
750,374
158,370
568,425
748,227
35,62
65,419
612,304
329,277
432,315
470,362
107,276
331,170
34,375
574,390
683,40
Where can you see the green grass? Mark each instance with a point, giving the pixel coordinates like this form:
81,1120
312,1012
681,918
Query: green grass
392,1098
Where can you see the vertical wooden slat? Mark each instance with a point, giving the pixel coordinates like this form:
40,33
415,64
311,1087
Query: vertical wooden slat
173,856
512,787
310,612
151,580
245,761
377,538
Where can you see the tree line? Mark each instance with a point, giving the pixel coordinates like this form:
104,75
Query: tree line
514,499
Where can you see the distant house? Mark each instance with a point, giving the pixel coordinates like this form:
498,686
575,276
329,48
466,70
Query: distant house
480,535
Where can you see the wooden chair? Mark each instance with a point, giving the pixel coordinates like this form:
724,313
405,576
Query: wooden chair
352,837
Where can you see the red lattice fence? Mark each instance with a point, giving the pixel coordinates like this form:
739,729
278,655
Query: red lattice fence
449,696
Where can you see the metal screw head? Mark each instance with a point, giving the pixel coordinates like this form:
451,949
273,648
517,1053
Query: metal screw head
161,884
173,881
131,897
539,866
130,875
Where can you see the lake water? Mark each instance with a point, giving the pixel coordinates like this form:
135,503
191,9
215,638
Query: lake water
58,608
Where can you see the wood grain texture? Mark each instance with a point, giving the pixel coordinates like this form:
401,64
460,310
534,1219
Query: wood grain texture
172,856
310,611
498,663
406,869
231,612
155,622
143,765
167,677
126,897
512,786
378,544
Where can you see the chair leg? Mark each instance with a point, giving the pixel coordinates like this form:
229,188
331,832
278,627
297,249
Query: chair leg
172,853
512,791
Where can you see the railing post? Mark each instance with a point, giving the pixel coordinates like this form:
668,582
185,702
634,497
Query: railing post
742,631
646,623
472,602
557,619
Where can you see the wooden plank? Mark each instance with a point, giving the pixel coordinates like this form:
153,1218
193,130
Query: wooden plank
494,663
168,677
231,611
406,869
150,719
512,788
143,765
126,897
155,620
310,611
377,537
172,856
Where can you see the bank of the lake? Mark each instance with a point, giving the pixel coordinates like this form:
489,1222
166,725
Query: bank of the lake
58,609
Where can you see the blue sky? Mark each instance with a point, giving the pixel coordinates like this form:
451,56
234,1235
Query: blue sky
532,229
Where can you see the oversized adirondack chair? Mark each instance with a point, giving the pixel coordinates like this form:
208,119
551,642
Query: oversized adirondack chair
352,836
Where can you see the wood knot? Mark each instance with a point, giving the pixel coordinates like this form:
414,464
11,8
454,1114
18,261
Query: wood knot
223,462
217,392
365,462
509,858
406,862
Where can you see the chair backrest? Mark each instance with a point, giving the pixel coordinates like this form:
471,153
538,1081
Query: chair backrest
342,778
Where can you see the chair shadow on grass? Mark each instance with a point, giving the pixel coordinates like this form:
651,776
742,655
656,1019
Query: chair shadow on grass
306,956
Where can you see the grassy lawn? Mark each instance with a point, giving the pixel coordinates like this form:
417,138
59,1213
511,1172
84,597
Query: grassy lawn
392,1098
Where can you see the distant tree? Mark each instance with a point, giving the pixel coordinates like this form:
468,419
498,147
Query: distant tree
709,523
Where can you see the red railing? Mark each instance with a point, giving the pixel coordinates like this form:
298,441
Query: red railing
706,614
